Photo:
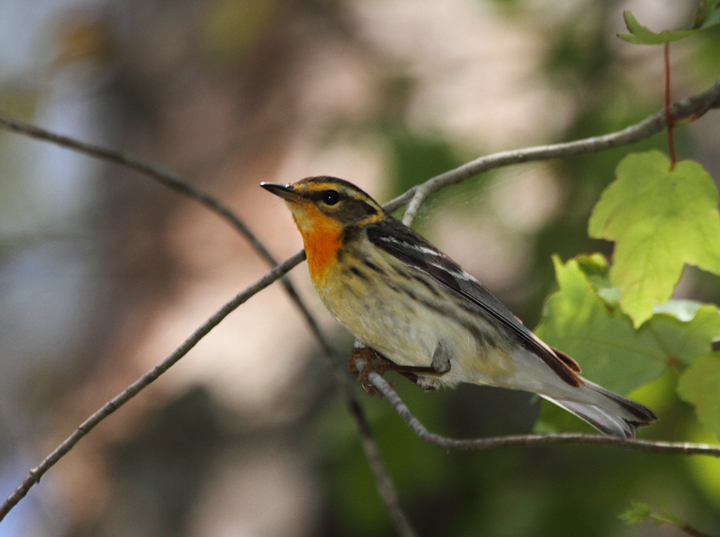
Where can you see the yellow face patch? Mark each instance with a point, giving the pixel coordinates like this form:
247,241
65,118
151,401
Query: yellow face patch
321,235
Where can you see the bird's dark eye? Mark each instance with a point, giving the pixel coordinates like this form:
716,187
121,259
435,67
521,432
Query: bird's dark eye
330,197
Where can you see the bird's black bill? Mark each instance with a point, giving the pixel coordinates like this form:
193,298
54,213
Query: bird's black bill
283,191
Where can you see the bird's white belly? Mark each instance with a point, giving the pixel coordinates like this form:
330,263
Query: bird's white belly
403,330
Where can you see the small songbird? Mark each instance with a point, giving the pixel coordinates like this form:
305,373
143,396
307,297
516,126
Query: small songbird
425,317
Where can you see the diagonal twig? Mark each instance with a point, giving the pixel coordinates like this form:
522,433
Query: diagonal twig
692,107
385,486
163,176
148,378
173,182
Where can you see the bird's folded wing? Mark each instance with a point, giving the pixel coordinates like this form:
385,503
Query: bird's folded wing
414,251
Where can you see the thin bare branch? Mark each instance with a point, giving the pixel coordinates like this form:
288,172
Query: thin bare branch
692,107
157,172
173,182
532,440
144,381
385,486
688,108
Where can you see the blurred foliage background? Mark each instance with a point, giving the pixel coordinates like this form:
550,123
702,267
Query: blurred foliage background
103,273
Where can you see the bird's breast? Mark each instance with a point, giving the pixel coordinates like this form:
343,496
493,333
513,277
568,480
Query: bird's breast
406,323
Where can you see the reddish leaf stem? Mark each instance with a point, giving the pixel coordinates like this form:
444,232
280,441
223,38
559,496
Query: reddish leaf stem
668,113
692,531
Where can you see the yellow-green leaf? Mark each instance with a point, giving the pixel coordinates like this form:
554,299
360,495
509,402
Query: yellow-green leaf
602,339
699,385
642,36
610,351
684,335
706,16
660,220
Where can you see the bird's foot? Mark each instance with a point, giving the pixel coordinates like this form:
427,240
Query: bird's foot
377,363
374,363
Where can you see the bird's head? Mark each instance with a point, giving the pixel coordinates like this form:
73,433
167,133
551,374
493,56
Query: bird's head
326,203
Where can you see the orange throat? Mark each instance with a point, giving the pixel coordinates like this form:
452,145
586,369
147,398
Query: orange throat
321,248
321,235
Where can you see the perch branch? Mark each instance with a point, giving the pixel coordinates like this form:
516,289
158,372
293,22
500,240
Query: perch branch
531,440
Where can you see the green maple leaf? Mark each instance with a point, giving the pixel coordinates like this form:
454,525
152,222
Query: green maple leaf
660,220
578,320
706,16
642,36
685,337
699,385
602,339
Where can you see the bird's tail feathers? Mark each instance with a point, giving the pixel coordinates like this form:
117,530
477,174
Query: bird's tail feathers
608,412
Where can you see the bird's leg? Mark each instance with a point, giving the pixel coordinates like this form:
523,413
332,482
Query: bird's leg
374,363
439,366
377,363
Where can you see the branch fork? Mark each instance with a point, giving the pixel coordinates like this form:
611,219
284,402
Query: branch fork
690,108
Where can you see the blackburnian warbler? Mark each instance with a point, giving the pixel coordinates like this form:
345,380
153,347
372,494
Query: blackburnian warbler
426,317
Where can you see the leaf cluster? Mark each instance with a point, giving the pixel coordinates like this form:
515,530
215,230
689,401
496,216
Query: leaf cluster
618,320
